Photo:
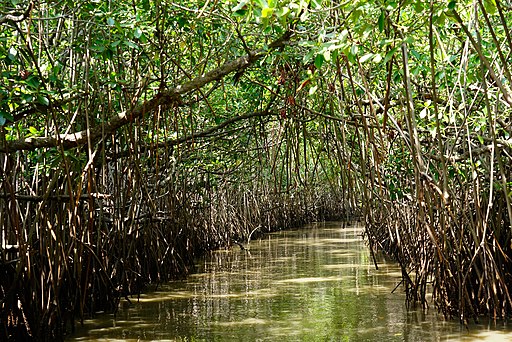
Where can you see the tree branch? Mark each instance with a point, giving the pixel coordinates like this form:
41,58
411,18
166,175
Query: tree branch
13,18
165,98
210,131
207,133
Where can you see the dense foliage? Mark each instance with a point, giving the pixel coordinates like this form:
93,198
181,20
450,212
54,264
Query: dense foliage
136,135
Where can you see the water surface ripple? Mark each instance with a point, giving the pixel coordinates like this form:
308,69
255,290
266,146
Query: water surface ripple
317,283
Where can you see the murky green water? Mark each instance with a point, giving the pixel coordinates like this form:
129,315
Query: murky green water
313,284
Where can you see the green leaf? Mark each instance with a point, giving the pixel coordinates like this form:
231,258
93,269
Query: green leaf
262,3
415,53
282,12
33,130
267,12
391,5
390,54
432,131
343,36
382,17
33,82
240,6
424,112
308,57
354,49
12,54
4,116
43,100
182,22
490,6
131,44
319,61
239,13
366,57
418,6
440,75
137,33
409,39
327,55
356,14
452,4
316,4
27,98
334,55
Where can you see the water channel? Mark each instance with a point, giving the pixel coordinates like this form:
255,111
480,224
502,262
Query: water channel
317,283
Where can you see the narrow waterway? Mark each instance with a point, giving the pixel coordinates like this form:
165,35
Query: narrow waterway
313,284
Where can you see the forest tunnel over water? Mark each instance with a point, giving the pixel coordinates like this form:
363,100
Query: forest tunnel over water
136,136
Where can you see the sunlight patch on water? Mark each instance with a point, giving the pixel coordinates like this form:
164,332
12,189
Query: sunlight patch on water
344,266
247,321
494,336
345,240
309,280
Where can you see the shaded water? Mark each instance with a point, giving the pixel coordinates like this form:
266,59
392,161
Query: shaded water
313,284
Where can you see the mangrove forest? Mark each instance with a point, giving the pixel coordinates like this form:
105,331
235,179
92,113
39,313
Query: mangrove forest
135,136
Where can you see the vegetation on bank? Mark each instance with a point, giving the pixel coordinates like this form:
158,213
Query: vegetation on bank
136,135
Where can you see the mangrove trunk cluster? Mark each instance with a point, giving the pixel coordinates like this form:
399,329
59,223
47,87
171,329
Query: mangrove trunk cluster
135,136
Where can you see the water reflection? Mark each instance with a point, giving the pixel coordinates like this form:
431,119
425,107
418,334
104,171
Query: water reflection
313,284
